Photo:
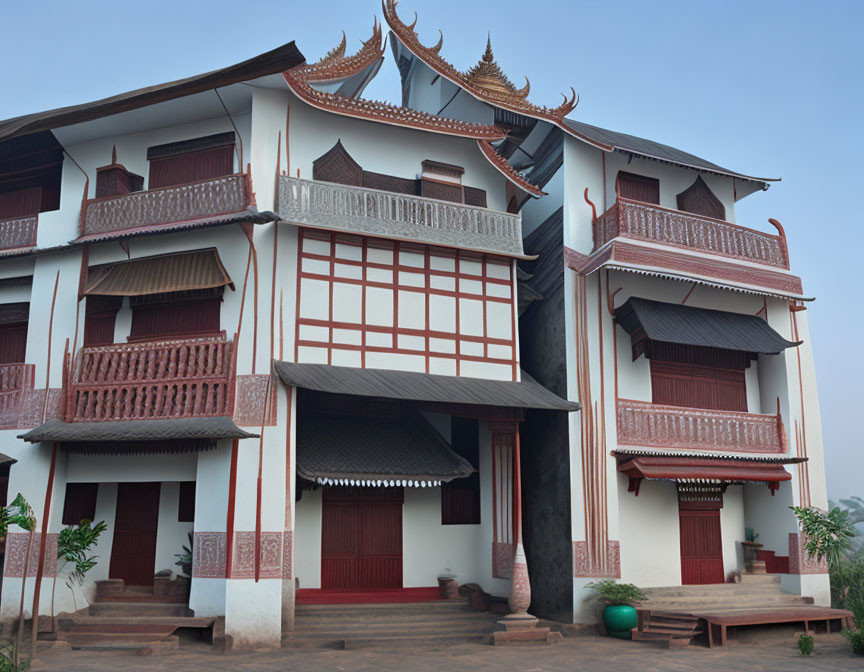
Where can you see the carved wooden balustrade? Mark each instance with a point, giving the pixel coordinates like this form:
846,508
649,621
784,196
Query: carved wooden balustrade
650,425
377,212
15,381
184,202
181,378
18,232
644,221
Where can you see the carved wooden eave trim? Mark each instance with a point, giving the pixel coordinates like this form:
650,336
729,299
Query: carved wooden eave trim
386,113
673,264
479,79
336,65
508,171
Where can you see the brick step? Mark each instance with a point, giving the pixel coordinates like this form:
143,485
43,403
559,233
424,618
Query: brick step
658,629
139,609
118,622
371,608
79,638
393,619
400,628
390,641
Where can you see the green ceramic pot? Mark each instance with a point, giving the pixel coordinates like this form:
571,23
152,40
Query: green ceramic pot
620,619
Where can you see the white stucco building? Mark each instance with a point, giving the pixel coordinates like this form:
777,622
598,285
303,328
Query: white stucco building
256,308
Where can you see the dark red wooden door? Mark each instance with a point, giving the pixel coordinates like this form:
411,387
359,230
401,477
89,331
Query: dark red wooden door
701,546
361,539
133,554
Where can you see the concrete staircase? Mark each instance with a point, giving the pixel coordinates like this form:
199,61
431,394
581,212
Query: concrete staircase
666,617
755,590
127,625
350,626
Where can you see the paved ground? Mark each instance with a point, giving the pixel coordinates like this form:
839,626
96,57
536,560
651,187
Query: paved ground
586,653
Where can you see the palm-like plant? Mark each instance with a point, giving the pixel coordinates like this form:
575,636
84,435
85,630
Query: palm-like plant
21,514
73,545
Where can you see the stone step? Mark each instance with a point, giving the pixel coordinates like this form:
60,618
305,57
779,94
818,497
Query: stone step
372,607
397,626
659,629
347,620
726,605
652,603
390,641
139,609
96,622
771,579
80,638
717,589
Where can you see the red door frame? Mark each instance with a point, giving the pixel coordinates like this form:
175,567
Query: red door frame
133,552
361,539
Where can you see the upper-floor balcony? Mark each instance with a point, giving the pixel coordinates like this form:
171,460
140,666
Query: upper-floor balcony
18,232
377,212
180,378
676,228
165,206
15,381
667,427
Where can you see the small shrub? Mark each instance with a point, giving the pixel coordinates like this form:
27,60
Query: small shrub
750,534
611,592
7,660
806,645
856,639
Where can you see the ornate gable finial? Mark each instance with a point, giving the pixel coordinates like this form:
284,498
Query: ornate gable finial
487,75
336,65
485,80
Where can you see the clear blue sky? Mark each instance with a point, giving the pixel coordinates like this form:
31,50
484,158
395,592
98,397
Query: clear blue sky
770,88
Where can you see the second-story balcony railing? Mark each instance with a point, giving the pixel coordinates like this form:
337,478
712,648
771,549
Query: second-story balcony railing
376,212
648,222
660,426
15,381
18,232
181,378
155,207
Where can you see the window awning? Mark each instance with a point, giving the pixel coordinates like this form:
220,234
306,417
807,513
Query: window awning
356,450
702,470
410,386
137,430
686,325
177,272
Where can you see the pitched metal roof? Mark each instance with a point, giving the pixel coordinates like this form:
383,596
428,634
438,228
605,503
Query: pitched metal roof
687,325
137,430
175,272
358,448
631,144
272,62
422,386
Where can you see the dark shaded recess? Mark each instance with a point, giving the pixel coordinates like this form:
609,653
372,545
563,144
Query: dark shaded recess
30,173
545,434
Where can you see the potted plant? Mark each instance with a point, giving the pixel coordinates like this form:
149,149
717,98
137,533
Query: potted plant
750,547
619,615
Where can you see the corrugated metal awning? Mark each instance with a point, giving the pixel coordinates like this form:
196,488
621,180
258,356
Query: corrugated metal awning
177,272
410,386
137,430
686,325
357,450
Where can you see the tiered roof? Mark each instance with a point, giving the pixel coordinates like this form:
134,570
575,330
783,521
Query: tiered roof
484,81
336,65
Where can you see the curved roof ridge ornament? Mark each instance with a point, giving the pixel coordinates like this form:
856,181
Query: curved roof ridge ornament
336,65
484,81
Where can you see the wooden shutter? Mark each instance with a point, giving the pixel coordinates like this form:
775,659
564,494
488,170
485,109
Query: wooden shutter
191,160
20,202
100,316
13,343
639,188
695,386
80,502
460,498
175,314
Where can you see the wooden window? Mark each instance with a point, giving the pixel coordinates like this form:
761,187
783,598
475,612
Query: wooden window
80,502
460,498
13,332
638,188
189,313
100,315
693,386
191,160
186,509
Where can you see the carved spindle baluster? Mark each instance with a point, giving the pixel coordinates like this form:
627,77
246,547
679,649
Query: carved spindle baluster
172,363
182,361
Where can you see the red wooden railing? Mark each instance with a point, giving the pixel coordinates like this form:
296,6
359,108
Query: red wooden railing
18,232
15,381
154,207
645,221
650,425
161,379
